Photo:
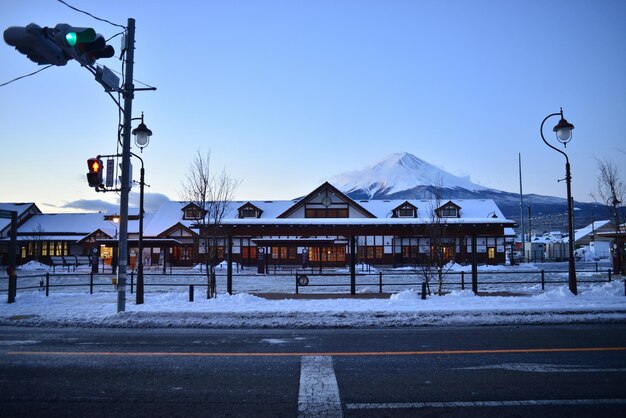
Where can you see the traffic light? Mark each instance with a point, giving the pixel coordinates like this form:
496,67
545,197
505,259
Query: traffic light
94,176
82,44
36,43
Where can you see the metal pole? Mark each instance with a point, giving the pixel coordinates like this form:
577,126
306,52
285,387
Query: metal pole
521,203
128,94
474,264
139,296
229,266
353,265
570,211
570,225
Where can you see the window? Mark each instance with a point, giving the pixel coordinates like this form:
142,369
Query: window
449,212
491,253
248,213
326,213
371,252
328,254
193,213
406,212
248,252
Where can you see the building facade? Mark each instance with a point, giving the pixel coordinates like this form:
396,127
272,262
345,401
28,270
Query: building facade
325,228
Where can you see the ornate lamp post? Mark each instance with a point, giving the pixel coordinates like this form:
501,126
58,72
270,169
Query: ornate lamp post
563,132
142,139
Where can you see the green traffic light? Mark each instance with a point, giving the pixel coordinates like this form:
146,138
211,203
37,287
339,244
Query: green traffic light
84,35
71,38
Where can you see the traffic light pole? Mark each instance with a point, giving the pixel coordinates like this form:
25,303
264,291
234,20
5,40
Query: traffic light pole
128,94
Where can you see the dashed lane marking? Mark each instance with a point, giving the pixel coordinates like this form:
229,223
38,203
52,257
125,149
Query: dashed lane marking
319,392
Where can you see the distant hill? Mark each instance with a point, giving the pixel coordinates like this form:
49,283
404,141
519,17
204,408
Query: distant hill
404,176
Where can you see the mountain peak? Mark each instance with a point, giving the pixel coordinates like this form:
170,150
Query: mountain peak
398,172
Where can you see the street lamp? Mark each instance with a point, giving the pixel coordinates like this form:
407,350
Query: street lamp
563,131
142,138
142,135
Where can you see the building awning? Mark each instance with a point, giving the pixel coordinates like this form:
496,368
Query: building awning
296,242
147,242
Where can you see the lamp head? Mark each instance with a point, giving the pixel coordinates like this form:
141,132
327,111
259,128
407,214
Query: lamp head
142,134
563,130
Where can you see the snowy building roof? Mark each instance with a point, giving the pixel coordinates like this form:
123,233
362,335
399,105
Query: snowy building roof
23,210
586,233
66,224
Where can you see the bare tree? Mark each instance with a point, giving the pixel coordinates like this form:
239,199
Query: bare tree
212,194
36,242
440,245
611,192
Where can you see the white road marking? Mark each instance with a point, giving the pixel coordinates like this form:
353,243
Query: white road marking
19,342
485,404
319,392
545,368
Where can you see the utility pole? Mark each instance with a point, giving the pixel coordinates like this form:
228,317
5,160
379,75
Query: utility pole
128,94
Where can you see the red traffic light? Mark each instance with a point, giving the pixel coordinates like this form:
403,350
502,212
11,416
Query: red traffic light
94,176
94,165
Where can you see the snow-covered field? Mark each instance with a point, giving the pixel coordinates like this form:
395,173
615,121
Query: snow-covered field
168,305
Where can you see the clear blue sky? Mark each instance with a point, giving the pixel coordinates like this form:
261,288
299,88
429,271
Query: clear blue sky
287,93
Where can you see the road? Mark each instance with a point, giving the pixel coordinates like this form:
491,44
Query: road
565,370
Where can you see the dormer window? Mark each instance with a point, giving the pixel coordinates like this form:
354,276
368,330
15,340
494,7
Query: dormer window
449,210
249,211
192,212
406,210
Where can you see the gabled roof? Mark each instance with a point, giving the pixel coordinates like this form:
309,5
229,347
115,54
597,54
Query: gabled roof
65,224
448,204
177,227
24,210
404,205
95,235
326,186
249,205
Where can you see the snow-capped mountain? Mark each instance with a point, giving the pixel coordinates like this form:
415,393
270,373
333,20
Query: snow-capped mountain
404,176
397,173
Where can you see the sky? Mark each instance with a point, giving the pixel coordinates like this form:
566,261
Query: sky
286,94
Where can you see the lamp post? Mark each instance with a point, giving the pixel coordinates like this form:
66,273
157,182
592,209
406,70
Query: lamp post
142,138
563,132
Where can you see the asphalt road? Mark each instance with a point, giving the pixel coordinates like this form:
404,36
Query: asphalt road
525,371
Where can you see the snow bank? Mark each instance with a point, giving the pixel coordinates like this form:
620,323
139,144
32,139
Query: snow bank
605,302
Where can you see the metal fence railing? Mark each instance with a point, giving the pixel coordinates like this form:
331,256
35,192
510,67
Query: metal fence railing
307,281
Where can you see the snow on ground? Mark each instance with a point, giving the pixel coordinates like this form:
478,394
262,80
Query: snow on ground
168,305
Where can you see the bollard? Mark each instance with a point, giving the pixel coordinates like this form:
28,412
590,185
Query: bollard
543,280
609,275
297,284
132,277
462,280
190,293
47,284
12,290
91,283
380,282
424,290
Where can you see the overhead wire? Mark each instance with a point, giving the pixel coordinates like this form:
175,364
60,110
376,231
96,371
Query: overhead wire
27,75
89,14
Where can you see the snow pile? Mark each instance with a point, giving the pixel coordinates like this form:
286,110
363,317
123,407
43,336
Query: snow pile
604,302
34,266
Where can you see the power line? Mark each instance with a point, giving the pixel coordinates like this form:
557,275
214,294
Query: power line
89,14
27,75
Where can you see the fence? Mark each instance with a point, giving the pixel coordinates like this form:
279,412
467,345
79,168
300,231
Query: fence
305,281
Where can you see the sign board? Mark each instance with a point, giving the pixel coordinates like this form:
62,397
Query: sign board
7,213
110,172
